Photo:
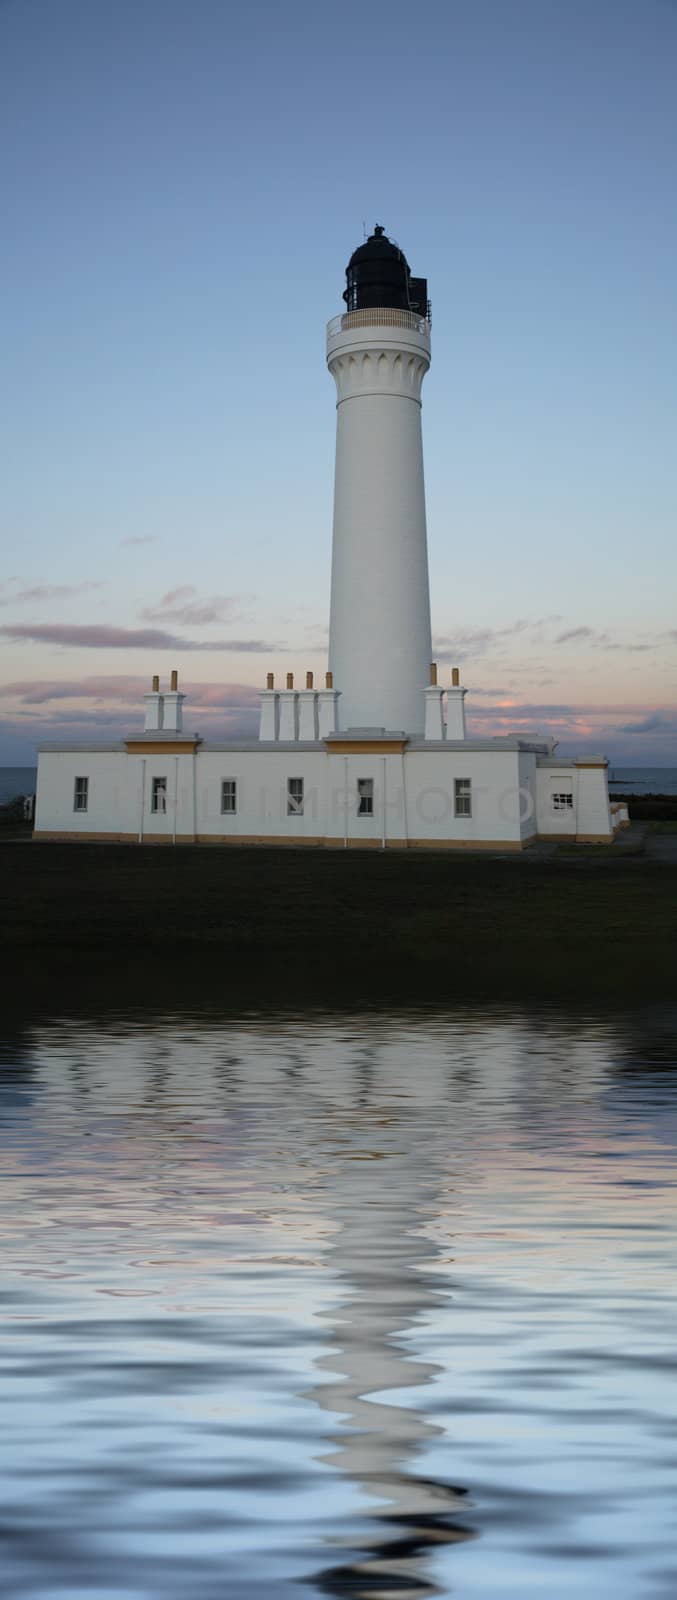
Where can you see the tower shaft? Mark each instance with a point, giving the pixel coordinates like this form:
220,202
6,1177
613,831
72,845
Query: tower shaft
379,633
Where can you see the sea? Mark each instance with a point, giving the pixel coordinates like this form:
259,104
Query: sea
350,1302
16,781
643,780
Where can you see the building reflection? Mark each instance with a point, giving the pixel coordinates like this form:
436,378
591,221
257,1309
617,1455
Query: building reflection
355,1142
381,1191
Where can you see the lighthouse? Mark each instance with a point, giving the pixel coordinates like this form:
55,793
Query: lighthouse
374,751
378,353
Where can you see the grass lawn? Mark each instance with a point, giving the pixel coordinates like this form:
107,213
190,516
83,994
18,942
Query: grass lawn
445,921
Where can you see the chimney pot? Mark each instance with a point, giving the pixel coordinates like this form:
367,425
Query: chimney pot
309,680
329,680
270,680
433,673
455,677
290,680
156,683
175,680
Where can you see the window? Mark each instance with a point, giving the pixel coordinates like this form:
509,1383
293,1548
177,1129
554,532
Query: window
228,797
563,801
81,794
462,802
159,795
294,797
365,797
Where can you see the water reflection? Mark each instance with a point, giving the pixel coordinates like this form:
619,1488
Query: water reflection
350,1305
381,1191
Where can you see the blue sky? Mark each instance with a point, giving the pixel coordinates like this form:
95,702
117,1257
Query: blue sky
185,181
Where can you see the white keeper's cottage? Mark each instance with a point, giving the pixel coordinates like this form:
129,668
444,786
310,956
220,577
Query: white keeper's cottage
376,754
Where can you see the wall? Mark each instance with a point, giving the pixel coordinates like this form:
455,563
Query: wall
589,816
110,798
117,784
413,795
379,622
494,778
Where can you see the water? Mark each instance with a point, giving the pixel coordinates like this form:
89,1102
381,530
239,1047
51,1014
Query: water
16,781
339,1304
643,780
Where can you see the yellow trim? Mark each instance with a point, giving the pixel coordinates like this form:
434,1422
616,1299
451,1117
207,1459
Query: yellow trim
365,747
161,747
40,834
260,838
465,844
322,840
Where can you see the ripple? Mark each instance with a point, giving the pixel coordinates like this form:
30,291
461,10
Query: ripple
335,1304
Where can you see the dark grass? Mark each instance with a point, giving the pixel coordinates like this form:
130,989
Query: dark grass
404,923
650,807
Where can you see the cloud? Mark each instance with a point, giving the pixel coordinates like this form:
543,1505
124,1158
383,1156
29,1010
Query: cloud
630,649
599,640
488,694
111,707
181,605
229,722
518,710
576,633
464,641
138,538
122,690
48,591
101,636
41,691
656,722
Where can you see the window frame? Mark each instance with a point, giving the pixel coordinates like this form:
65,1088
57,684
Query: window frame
463,794
562,800
81,793
231,810
158,787
295,802
365,797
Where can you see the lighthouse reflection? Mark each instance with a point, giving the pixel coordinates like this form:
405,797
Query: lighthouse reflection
380,1195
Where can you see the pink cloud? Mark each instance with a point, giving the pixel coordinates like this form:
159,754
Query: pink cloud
40,691
46,710
123,690
229,722
101,636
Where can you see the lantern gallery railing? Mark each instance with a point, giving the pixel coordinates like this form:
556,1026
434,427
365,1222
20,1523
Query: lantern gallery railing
378,316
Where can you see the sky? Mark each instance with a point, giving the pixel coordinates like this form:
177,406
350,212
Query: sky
184,182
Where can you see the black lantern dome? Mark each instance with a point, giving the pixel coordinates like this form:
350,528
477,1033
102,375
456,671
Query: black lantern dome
378,275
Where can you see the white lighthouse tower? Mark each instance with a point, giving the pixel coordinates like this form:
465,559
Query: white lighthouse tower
378,753
378,352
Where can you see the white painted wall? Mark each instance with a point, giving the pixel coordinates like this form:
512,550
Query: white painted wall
589,813
379,629
494,777
414,795
110,792
117,782
527,799
594,812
